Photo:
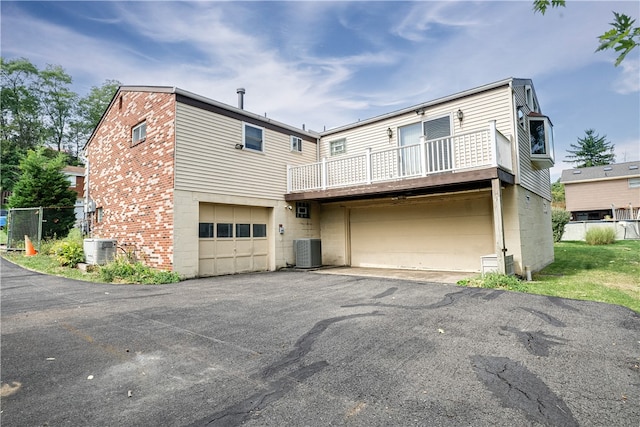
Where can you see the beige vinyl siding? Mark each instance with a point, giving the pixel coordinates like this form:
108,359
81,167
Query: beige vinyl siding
531,178
207,160
595,195
478,110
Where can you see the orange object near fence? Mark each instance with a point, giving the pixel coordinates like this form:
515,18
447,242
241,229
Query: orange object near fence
30,250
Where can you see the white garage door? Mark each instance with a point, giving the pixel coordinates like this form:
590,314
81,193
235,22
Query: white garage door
232,239
433,235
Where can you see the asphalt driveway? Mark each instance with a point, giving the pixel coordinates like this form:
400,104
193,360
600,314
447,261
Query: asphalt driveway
301,348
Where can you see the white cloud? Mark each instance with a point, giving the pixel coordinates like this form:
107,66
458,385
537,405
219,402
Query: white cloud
212,48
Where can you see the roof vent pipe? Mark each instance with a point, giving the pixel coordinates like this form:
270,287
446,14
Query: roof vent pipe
240,92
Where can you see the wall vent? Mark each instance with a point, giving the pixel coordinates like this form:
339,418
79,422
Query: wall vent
308,253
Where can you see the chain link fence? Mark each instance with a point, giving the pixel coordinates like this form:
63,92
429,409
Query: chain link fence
24,222
37,223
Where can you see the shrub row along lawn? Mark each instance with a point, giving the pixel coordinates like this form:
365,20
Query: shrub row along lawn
606,273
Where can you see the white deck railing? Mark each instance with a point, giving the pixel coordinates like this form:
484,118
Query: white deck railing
484,148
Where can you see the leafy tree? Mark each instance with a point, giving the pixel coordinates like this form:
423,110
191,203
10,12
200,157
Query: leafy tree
622,38
58,103
39,109
92,106
592,150
44,184
90,109
21,127
557,194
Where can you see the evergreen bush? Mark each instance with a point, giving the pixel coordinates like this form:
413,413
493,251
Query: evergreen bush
559,218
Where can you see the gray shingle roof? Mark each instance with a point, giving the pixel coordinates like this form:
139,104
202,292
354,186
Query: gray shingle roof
615,170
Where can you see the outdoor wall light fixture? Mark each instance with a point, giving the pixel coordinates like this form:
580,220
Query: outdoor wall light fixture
239,146
420,111
460,115
389,133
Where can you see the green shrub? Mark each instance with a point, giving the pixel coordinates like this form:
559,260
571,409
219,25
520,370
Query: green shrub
68,253
559,218
494,281
601,236
122,270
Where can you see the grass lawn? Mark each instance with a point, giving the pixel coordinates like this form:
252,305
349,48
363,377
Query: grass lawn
607,273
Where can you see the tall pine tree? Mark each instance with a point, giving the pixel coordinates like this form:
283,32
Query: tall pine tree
592,150
43,183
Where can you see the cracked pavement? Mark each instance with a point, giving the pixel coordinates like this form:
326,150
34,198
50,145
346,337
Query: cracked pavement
301,348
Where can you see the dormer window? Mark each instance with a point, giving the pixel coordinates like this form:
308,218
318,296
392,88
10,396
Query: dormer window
541,138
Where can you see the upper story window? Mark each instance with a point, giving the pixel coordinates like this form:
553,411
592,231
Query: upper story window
139,133
541,139
437,128
634,182
296,144
338,146
252,137
530,99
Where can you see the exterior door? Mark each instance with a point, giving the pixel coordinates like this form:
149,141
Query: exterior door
409,156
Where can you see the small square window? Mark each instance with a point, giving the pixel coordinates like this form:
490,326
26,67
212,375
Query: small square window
296,144
252,137
205,230
302,210
338,147
259,230
634,182
139,133
224,230
243,230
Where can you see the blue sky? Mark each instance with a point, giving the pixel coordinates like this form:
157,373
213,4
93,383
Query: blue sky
326,64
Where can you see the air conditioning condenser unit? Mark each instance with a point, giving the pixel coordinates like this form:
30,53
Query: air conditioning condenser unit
308,253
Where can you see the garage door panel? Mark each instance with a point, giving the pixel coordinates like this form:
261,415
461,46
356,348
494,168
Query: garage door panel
225,265
207,248
206,267
449,235
229,255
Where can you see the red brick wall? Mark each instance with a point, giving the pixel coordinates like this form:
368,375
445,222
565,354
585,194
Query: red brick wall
133,186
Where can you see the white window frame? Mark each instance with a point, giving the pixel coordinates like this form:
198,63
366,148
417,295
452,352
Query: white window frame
530,99
139,133
634,182
338,146
244,137
448,116
296,144
546,159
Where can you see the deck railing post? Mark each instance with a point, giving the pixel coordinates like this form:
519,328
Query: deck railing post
493,141
289,185
368,164
323,173
423,155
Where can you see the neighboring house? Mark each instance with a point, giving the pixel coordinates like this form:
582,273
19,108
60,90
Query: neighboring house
75,175
603,192
204,188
